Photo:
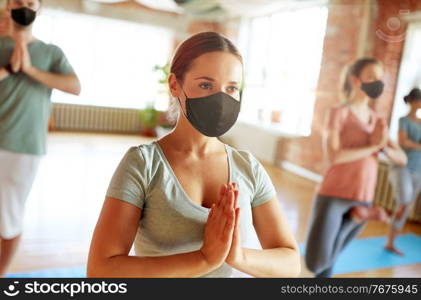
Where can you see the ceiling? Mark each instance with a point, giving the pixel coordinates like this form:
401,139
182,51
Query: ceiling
222,8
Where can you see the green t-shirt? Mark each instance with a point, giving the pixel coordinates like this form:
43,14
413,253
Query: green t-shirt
24,103
171,222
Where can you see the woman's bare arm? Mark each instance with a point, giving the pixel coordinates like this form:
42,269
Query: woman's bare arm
334,153
112,240
338,154
395,154
406,143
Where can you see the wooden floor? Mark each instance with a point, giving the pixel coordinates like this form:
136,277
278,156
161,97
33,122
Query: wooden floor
69,191
296,195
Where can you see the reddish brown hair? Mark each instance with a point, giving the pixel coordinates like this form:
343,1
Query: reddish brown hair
198,45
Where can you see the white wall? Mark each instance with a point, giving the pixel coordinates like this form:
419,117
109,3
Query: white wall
259,139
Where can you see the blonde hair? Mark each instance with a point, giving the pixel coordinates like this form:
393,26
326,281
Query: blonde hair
354,69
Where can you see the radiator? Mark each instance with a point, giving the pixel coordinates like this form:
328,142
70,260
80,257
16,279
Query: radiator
94,118
385,196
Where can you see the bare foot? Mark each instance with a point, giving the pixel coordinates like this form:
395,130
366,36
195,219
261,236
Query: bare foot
394,250
372,213
358,214
380,214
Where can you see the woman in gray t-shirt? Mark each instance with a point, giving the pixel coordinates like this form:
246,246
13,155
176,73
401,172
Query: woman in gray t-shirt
191,205
407,180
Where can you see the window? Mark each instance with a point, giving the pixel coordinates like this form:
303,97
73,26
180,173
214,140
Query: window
282,55
114,59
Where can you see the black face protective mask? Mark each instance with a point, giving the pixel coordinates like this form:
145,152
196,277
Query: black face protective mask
23,16
212,115
373,89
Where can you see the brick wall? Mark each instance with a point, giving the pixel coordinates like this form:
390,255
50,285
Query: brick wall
340,47
351,33
388,47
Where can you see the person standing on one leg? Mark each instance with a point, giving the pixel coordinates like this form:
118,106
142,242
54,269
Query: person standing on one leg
189,204
407,181
354,136
29,70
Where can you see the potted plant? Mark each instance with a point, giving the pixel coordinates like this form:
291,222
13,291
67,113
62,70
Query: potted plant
165,73
150,119
163,126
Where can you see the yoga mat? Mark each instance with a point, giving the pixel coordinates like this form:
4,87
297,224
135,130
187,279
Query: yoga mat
368,253
71,272
360,255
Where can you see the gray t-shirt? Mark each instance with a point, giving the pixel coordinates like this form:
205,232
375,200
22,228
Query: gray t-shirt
413,131
24,103
171,223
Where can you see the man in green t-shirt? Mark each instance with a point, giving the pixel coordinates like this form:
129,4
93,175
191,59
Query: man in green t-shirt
29,70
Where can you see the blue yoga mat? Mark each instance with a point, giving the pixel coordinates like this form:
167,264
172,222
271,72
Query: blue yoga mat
369,253
360,255
71,272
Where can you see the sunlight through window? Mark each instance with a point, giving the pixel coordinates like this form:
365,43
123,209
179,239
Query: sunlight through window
283,55
114,59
